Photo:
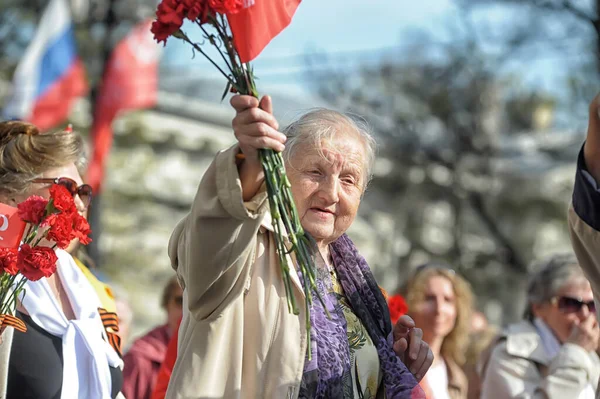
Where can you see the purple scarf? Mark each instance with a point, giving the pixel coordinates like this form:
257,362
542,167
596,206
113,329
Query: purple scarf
327,374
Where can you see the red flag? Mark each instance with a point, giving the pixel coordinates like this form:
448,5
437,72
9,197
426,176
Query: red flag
258,23
11,227
130,81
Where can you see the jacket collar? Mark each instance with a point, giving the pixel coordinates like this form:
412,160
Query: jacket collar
523,340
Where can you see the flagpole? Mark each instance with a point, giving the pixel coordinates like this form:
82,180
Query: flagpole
95,210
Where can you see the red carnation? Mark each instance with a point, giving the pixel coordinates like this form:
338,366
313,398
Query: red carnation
37,262
33,209
171,12
398,307
8,260
81,229
169,18
197,9
161,31
60,229
62,199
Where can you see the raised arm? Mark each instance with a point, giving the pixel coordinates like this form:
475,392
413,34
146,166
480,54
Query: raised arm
584,214
212,247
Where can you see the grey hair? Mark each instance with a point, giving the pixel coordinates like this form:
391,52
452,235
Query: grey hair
550,276
321,124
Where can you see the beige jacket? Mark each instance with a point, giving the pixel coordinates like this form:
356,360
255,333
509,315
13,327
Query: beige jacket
583,214
237,338
519,367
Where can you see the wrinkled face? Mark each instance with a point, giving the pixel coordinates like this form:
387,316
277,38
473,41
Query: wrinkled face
561,321
327,189
436,314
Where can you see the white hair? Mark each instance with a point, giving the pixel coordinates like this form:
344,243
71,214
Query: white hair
321,124
550,276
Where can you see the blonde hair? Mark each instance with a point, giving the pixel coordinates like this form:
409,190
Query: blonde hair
455,343
25,154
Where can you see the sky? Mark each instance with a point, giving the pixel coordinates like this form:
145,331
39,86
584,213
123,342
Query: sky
357,32
348,30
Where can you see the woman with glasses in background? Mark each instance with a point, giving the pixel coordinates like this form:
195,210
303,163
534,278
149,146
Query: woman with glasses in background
66,351
552,352
441,302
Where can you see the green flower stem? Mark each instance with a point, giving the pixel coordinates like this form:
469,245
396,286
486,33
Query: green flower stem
14,295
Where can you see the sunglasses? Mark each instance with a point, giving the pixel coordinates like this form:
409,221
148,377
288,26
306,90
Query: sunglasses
84,191
572,305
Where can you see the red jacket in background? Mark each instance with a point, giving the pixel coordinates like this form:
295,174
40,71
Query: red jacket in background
143,362
164,374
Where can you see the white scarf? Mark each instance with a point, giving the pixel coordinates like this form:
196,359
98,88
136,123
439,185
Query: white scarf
86,352
552,346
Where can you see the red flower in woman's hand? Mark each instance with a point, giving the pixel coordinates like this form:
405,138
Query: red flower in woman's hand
169,18
60,228
62,199
36,262
8,260
171,12
398,307
33,209
81,229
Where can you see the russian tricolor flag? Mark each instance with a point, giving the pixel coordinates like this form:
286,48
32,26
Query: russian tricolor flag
50,75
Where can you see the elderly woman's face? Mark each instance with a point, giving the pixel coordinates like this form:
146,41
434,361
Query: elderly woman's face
327,190
561,318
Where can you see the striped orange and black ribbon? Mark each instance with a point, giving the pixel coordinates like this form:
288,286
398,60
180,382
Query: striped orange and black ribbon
7,320
111,325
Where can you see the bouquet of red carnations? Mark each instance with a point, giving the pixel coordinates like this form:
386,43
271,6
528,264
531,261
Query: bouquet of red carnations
25,236
216,19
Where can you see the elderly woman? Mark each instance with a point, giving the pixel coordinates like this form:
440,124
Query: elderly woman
550,354
65,352
440,301
237,337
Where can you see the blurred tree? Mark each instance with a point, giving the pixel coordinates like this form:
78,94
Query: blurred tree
442,121
565,33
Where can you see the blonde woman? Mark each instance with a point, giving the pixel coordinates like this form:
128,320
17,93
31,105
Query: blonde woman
440,301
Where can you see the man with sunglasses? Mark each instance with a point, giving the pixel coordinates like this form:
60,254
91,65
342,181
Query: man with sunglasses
584,213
